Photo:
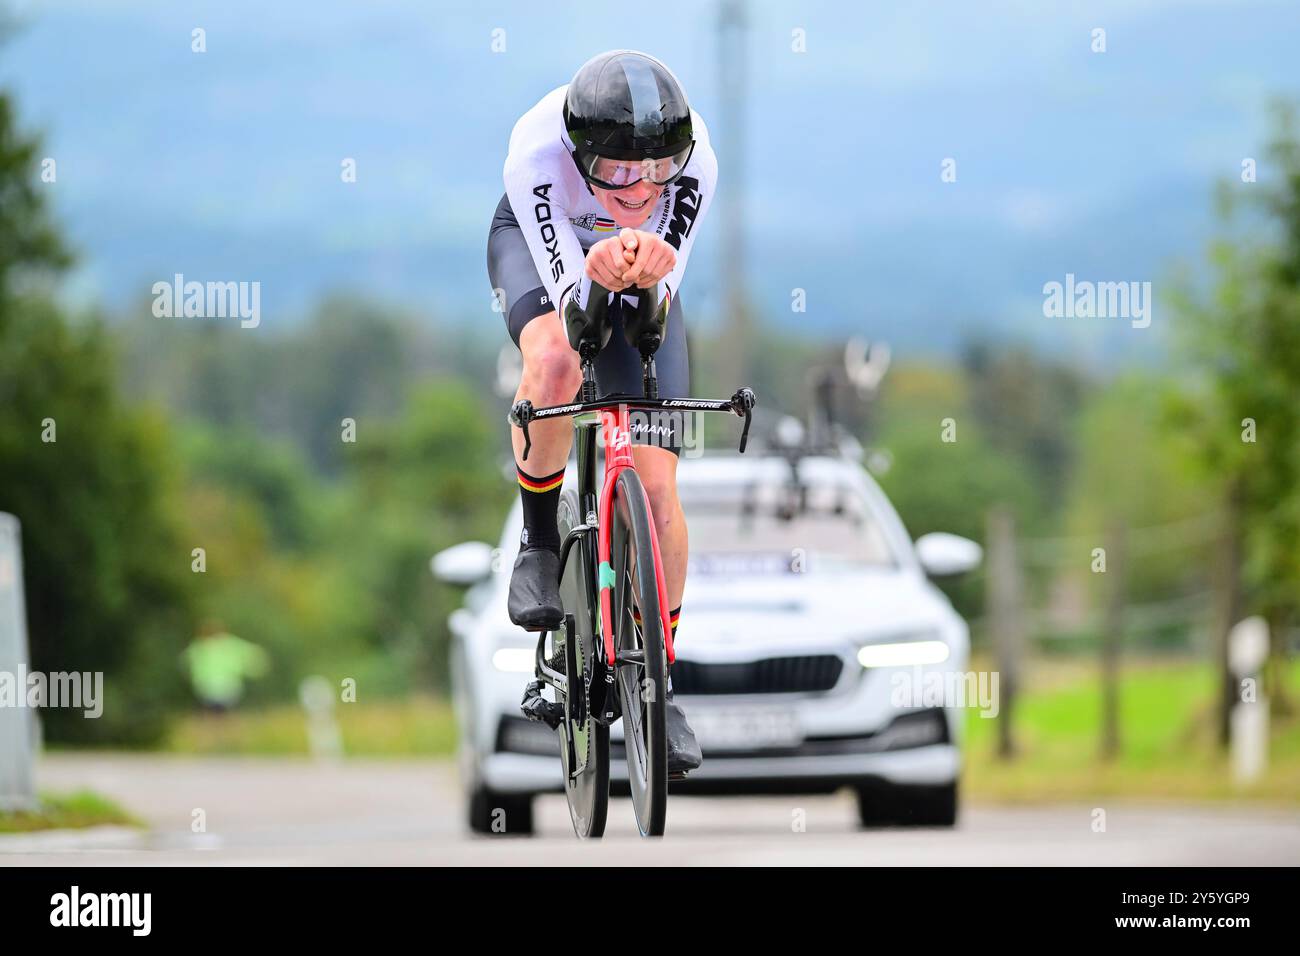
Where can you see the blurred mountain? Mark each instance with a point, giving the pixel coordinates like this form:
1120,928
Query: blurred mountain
226,164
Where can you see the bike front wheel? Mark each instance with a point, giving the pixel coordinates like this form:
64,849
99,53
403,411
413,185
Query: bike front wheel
642,674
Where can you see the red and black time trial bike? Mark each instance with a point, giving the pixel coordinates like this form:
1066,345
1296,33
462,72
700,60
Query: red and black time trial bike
610,656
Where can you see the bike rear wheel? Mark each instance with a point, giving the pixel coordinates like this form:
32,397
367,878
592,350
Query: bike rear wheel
584,742
642,675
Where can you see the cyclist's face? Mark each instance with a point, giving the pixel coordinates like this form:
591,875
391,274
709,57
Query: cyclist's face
629,207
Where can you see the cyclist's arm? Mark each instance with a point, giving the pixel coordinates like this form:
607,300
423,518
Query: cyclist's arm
692,196
539,205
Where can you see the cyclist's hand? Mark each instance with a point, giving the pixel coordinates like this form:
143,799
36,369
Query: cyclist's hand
607,260
653,258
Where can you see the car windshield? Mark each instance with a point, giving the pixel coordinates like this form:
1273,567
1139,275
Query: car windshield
780,528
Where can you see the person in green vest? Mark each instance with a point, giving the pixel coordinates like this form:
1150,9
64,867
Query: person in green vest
220,663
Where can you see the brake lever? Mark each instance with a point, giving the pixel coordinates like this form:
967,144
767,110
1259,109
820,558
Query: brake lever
521,413
742,403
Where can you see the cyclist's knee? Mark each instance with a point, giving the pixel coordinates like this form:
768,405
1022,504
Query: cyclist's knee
657,468
550,366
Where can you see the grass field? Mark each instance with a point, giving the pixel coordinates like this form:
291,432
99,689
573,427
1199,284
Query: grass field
1167,747
67,811
385,728
1167,744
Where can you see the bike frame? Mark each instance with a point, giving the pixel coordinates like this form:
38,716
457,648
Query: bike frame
613,425
609,418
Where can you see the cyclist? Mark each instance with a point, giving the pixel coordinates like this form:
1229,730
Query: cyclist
606,179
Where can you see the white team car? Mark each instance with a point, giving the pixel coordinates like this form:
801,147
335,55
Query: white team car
808,624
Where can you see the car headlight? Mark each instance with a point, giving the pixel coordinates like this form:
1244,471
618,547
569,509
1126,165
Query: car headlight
514,660
911,653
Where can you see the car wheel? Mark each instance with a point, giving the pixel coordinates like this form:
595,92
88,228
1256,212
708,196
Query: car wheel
913,805
495,813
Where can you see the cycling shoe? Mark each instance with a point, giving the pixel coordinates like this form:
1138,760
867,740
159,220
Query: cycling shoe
534,601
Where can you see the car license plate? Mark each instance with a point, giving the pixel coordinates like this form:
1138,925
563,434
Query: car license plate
749,728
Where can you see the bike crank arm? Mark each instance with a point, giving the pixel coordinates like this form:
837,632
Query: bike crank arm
545,672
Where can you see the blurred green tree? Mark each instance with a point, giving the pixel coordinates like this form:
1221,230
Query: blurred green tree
351,358
1027,406
947,485
107,569
432,479
940,485
1243,341
30,245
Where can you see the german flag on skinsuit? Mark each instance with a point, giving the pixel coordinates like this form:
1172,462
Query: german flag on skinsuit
548,483
593,223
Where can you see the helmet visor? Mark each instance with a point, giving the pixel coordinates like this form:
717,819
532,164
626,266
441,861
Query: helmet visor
611,173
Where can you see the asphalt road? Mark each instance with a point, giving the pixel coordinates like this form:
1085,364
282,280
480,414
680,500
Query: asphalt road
289,811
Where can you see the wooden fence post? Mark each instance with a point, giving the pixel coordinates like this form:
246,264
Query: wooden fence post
1005,613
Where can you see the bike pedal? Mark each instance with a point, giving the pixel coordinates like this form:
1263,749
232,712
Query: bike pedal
678,774
536,707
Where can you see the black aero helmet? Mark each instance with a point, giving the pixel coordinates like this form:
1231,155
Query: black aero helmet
627,106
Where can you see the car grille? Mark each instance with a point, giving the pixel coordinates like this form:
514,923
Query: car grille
520,736
774,675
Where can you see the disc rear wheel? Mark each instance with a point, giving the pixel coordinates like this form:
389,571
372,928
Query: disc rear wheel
639,648
584,743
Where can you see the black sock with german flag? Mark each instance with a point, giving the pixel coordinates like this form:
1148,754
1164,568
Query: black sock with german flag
541,498
673,615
